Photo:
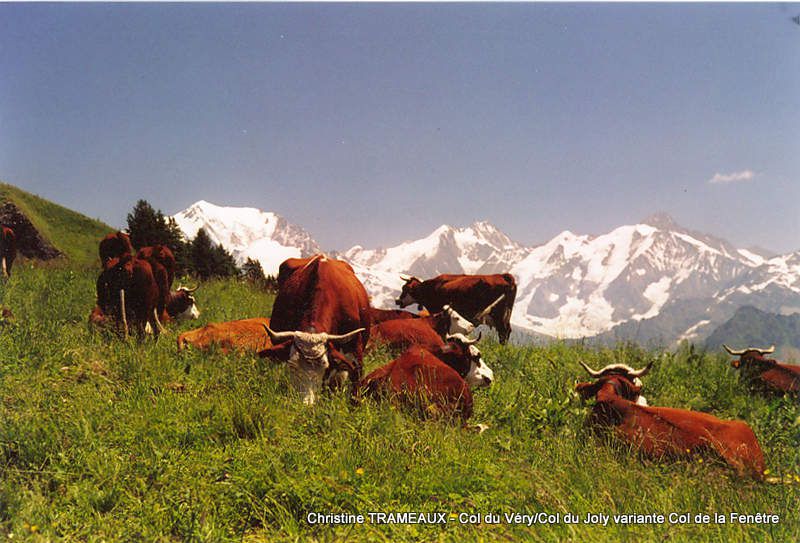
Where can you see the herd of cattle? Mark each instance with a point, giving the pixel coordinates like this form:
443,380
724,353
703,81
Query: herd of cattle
322,324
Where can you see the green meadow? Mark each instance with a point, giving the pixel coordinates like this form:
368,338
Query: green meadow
106,440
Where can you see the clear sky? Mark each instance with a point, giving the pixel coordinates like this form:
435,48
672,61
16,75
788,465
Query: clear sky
375,123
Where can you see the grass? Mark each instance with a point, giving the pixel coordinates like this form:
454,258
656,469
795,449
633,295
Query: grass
73,234
106,440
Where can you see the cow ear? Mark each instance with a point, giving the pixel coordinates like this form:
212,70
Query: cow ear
587,390
279,353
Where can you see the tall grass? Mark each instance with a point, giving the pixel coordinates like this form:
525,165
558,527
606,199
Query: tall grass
102,439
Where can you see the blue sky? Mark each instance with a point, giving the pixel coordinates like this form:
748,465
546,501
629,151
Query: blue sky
375,123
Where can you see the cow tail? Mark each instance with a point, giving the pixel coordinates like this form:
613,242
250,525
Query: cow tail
5,270
122,311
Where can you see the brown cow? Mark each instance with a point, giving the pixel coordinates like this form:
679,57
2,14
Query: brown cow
246,335
8,250
482,299
773,374
427,332
664,432
435,383
115,245
161,255
378,316
127,292
320,302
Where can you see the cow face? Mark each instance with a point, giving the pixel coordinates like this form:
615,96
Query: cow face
310,358
458,324
752,360
625,380
407,294
462,355
182,305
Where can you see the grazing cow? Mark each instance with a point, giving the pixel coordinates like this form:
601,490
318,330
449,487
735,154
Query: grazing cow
482,299
127,292
246,335
378,316
8,250
320,303
115,245
773,374
426,332
664,432
435,382
181,305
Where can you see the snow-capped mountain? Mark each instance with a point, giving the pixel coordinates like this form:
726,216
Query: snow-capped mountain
477,249
247,232
646,281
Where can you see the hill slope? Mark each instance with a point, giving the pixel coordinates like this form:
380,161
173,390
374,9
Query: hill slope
751,327
71,233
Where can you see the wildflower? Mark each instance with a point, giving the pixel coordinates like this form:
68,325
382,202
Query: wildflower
766,472
360,471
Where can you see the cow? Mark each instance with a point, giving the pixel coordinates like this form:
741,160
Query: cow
427,332
8,250
435,382
162,255
320,303
664,432
115,245
246,335
482,299
127,293
378,316
775,375
181,305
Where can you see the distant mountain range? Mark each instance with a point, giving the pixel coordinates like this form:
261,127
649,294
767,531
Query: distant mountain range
751,327
651,281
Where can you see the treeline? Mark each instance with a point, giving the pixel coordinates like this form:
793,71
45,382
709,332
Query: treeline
199,257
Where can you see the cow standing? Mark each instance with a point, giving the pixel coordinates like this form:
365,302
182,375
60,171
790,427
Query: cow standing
320,303
8,250
664,432
757,368
127,292
483,299
115,245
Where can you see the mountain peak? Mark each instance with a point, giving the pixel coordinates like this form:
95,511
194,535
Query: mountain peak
662,220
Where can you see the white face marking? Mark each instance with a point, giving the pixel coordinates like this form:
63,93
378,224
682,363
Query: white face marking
480,375
458,324
190,313
641,400
307,365
406,300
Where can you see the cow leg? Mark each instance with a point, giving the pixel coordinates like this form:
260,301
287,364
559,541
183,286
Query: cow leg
122,311
5,270
501,322
158,322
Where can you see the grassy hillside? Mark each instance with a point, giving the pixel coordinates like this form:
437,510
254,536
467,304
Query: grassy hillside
73,234
107,440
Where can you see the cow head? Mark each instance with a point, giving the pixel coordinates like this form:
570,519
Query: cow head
407,294
461,354
623,378
182,305
310,356
458,324
751,360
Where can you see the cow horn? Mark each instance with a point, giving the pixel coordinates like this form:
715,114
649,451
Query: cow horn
590,371
278,337
766,351
489,307
642,372
406,278
191,290
735,353
344,337
463,339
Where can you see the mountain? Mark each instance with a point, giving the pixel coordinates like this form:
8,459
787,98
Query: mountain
751,327
46,230
247,232
654,281
477,249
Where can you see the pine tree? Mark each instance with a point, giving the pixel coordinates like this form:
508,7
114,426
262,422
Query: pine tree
146,226
209,260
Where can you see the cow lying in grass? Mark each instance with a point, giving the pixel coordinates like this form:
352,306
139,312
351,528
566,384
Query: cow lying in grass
246,335
664,432
427,332
766,371
436,383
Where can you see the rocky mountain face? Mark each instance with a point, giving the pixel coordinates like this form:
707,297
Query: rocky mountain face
651,281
